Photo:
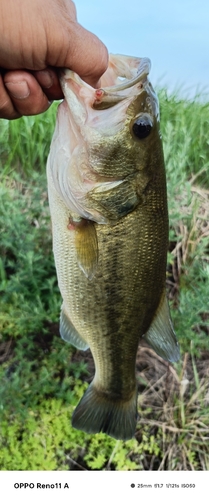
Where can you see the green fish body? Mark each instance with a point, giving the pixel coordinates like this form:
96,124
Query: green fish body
108,204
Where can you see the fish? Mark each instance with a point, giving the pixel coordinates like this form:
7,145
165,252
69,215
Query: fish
108,204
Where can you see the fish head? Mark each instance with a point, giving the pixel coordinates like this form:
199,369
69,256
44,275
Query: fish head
105,136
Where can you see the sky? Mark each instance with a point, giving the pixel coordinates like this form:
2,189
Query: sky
173,34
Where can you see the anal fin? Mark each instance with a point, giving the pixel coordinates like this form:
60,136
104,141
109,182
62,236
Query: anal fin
70,334
161,336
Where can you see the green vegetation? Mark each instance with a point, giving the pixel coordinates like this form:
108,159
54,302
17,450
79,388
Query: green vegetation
42,378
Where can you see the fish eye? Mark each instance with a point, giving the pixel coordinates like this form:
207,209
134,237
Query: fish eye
142,126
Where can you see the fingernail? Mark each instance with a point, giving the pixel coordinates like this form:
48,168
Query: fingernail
45,78
19,90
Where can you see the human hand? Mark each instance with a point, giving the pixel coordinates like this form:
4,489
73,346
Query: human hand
37,37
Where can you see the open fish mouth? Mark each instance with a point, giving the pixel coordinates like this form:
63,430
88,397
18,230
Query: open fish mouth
123,78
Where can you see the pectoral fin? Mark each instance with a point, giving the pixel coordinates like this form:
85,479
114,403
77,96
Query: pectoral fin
70,334
161,336
87,248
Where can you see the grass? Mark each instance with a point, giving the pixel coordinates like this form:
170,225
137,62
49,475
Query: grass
42,378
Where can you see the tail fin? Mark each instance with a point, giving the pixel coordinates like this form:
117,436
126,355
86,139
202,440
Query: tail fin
96,412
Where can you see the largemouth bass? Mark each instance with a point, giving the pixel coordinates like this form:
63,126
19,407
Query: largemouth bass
107,196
